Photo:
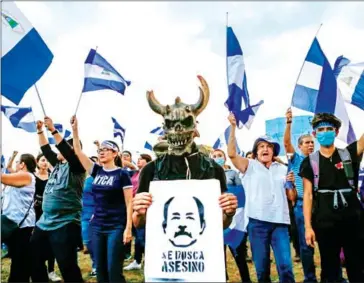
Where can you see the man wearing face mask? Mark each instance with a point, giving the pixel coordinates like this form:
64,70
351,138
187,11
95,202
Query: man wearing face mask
331,205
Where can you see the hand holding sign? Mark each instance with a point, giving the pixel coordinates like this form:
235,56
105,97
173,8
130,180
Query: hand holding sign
141,202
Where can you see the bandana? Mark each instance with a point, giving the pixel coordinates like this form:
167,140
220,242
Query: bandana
109,145
324,124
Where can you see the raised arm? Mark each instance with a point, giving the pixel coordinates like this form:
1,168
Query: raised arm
18,180
49,154
82,157
239,162
360,145
9,166
287,133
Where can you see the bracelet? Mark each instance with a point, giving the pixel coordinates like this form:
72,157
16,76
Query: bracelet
289,122
229,215
54,132
41,132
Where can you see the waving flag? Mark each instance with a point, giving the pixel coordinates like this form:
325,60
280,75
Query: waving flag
99,74
316,91
119,131
223,140
25,56
157,131
234,234
59,128
350,80
3,169
20,117
238,99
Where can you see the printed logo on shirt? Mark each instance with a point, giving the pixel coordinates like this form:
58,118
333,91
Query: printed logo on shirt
104,180
339,165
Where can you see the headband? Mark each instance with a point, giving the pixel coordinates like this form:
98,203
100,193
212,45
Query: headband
110,145
324,124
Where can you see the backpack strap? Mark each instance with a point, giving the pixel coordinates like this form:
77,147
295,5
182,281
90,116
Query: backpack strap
315,165
348,165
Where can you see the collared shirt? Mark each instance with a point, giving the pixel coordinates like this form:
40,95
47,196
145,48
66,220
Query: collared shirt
266,198
296,164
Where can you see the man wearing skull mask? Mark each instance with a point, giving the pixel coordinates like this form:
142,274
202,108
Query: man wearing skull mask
178,157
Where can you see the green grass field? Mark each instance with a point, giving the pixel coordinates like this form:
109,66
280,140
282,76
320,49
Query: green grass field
137,275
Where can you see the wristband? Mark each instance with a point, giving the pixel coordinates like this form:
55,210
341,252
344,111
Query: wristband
230,214
54,132
41,132
289,122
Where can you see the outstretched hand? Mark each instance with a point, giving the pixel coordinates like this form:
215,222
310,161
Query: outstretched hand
74,123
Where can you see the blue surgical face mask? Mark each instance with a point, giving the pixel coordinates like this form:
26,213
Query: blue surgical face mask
326,138
220,161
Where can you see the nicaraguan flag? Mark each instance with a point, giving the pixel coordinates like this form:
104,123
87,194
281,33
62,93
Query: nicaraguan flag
20,117
316,91
25,56
350,80
99,74
238,99
301,125
119,131
155,132
234,234
223,140
59,128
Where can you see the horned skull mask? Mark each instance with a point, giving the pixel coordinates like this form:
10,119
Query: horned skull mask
180,119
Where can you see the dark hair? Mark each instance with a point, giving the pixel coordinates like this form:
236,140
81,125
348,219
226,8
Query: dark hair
127,151
118,161
325,117
300,139
249,152
40,155
29,161
200,207
146,157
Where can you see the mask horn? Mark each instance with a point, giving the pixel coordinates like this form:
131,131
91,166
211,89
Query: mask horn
204,97
154,104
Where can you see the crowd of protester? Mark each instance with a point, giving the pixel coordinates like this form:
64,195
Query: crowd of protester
64,202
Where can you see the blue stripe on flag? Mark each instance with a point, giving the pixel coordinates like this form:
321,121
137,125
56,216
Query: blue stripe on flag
93,84
238,191
232,44
315,53
147,145
358,96
305,98
233,237
24,65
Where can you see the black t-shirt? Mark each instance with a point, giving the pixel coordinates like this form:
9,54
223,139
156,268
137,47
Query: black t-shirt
178,172
332,177
38,196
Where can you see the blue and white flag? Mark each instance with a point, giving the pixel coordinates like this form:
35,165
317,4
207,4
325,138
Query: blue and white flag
20,117
223,140
25,56
238,99
350,80
59,128
99,74
316,91
155,132
234,234
119,131
301,125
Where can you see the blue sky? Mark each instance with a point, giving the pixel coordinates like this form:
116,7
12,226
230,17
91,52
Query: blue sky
164,45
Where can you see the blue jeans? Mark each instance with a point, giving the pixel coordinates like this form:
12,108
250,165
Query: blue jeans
306,252
109,253
262,235
87,239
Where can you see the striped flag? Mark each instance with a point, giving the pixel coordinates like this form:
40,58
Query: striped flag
59,128
158,131
316,91
119,131
223,140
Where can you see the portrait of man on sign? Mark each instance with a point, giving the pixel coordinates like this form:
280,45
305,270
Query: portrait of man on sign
184,221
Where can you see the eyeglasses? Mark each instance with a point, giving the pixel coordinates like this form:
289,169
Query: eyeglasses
105,149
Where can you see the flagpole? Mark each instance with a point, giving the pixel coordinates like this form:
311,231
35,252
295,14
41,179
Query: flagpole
79,99
40,100
299,74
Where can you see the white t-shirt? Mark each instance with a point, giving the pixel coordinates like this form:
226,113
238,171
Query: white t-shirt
17,201
266,198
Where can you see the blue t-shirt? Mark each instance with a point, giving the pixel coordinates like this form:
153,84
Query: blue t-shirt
108,190
296,164
88,204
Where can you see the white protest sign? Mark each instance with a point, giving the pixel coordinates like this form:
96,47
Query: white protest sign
184,232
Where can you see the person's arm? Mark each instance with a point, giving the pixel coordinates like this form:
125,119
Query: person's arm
86,162
360,145
307,212
291,193
128,196
19,179
239,162
9,166
287,133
